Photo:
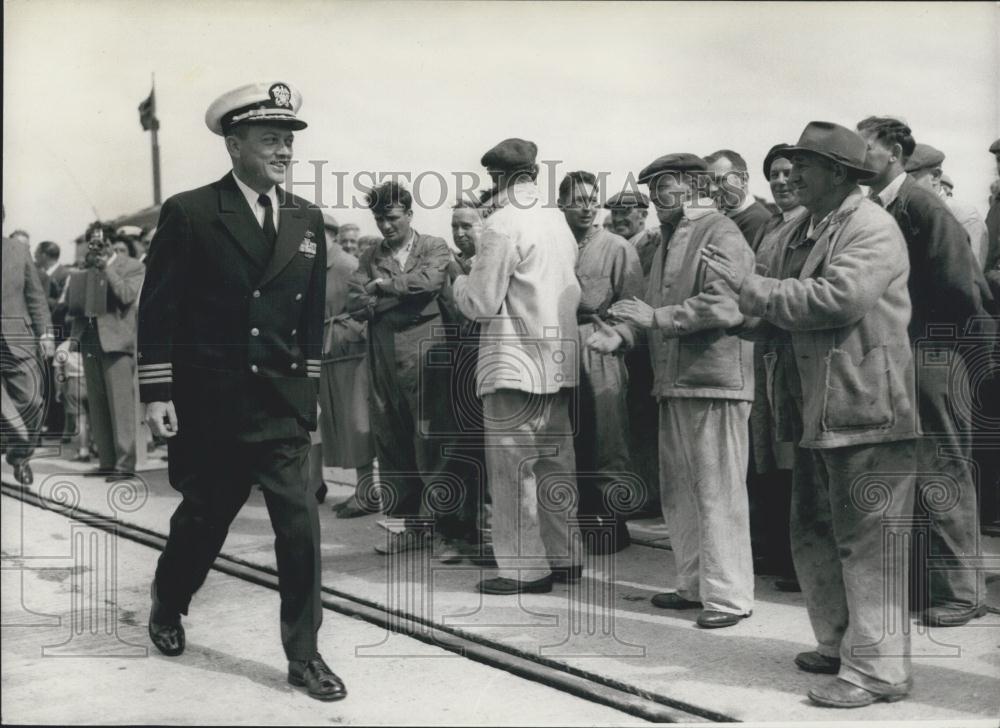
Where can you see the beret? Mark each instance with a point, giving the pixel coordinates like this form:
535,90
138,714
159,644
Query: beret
995,147
778,150
627,198
924,155
680,162
946,181
511,155
266,102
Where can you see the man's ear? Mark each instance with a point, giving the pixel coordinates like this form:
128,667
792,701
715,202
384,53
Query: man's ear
840,175
233,145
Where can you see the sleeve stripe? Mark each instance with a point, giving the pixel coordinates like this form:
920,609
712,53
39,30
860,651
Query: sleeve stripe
153,367
156,380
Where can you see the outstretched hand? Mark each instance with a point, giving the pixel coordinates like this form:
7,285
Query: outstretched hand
723,264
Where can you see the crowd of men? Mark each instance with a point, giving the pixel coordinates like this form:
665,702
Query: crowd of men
780,381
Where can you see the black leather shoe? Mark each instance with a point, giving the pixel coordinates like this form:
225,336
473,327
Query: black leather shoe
842,694
673,600
501,585
950,617
118,477
165,630
23,474
98,473
817,663
712,619
317,678
567,574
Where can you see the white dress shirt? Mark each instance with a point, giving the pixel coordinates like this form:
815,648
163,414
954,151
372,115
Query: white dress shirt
890,192
255,207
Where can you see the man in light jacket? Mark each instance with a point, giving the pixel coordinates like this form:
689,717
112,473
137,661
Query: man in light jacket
847,310
522,289
703,380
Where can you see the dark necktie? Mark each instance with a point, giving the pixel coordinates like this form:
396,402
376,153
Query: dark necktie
269,230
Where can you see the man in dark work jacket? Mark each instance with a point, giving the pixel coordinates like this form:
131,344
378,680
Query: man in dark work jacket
947,289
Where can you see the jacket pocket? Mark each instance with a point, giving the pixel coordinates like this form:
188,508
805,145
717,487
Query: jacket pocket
709,359
857,396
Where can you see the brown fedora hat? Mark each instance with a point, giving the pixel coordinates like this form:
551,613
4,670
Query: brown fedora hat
837,143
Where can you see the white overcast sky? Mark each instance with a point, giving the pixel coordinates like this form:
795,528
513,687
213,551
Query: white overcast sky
411,86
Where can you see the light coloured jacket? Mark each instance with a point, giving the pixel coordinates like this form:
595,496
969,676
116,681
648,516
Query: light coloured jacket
523,290
690,360
848,313
116,328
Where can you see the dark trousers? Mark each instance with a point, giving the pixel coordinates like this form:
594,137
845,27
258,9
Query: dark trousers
23,395
425,467
215,480
110,402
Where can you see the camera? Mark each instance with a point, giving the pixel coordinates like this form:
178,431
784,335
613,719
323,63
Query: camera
98,247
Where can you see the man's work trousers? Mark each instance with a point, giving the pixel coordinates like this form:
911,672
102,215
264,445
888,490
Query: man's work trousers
704,449
851,524
532,477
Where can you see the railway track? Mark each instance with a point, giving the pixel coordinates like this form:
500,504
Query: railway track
653,707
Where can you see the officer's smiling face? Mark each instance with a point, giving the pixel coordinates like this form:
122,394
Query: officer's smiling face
261,154
394,224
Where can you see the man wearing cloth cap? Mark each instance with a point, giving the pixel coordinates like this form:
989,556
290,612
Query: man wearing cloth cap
522,289
230,334
847,311
703,379
924,166
946,291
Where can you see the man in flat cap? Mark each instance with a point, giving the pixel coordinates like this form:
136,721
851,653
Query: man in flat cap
923,165
730,177
230,334
946,291
607,268
704,384
847,309
522,289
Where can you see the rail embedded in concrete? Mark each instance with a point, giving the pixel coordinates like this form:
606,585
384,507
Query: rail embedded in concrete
650,706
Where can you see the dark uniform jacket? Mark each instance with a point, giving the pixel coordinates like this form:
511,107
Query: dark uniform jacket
228,329
946,285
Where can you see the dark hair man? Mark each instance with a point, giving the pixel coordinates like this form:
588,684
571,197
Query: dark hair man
946,290
729,187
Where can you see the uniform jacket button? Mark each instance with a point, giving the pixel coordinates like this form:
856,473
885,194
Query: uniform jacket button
294,331
298,296
294,365
256,294
253,368
255,331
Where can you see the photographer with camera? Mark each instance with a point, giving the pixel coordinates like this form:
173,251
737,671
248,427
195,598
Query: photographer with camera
102,303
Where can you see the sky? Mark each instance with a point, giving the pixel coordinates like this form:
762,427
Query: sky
427,87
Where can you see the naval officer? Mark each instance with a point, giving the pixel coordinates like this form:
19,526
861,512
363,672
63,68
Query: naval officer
230,334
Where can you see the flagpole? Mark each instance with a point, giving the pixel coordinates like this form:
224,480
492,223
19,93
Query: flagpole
156,150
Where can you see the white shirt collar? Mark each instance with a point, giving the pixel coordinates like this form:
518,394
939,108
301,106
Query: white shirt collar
746,204
255,207
891,191
699,207
792,214
814,224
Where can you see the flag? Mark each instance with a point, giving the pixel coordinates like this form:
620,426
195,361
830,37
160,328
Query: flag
147,113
